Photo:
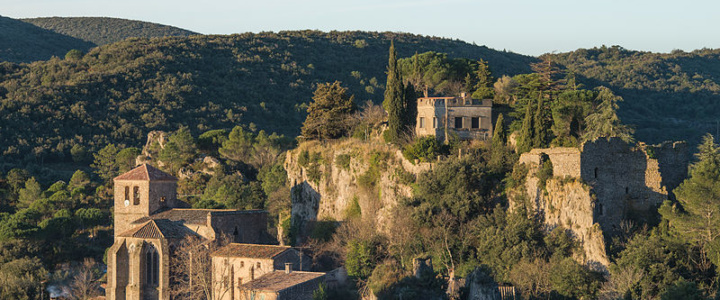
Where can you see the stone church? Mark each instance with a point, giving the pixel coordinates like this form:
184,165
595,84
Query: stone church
149,219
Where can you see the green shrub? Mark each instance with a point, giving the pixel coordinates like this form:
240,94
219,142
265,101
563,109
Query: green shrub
343,161
425,149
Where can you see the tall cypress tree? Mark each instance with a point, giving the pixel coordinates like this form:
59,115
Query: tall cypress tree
410,107
541,125
499,136
394,102
525,138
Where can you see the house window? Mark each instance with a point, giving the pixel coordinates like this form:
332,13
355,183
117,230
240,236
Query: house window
596,169
599,209
258,265
152,266
475,122
127,193
242,264
458,122
421,122
435,122
136,195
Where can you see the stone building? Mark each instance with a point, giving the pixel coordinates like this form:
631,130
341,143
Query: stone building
282,285
443,116
596,187
238,266
149,220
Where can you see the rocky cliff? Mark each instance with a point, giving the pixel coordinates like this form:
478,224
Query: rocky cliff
341,179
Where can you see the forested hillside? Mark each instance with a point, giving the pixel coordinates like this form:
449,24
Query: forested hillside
101,31
23,42
668,96
117,93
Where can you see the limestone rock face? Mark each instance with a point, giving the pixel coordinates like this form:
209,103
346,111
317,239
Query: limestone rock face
328,179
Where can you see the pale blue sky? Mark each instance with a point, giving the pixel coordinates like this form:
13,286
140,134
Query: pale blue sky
523,26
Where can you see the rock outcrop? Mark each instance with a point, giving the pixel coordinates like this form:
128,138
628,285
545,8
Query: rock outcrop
331,180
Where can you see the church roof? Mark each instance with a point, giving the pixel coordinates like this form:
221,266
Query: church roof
192,216
146,172
157,229
250,250
279,280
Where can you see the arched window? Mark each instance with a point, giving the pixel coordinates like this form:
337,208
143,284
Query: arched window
152,266
136,195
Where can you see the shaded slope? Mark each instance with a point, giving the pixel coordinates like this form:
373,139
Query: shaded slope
103,30
23,42
119,92
668,96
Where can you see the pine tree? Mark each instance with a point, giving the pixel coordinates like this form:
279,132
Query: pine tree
394,102
525,138
604,122
484,86
699,198
29,194
104,164
328,113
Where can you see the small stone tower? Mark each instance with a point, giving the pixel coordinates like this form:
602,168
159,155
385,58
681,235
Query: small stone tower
141,192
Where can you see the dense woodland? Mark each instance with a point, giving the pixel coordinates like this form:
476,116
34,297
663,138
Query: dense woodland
68,125
102,31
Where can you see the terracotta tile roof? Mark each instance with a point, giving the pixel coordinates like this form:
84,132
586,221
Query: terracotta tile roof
192,216
250,250
157,229
146,172
279,280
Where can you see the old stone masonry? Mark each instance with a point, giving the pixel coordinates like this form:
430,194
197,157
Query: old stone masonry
600,187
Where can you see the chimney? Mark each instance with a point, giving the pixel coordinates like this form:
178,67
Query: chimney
288,268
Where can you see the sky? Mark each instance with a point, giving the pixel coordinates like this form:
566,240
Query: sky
530,27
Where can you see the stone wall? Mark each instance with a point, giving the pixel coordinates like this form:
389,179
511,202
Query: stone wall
250,225
606,181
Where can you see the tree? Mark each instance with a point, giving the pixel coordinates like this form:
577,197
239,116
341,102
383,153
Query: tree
237,146
525,137
604,122
505,88
104,163
78,153
22,279
86,281
410,99
540,137
31,193
179,150
125,159
499,136
190,269
694,217
484,87
394,102
328,113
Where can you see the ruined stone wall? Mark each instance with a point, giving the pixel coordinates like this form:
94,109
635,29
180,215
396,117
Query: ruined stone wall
565,160
606,181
